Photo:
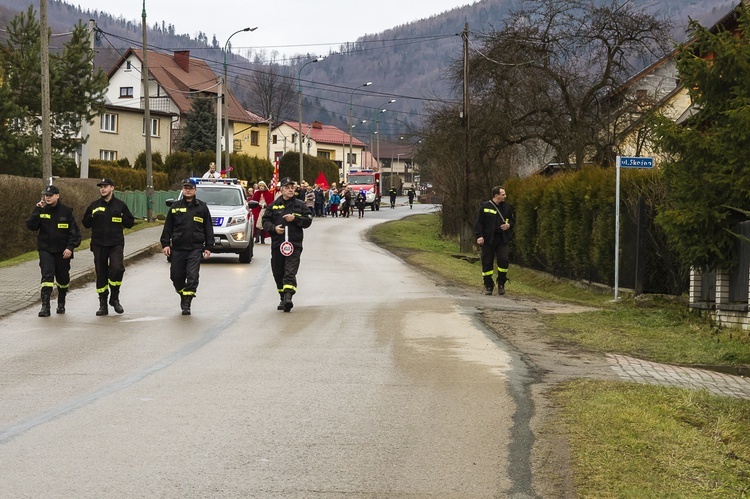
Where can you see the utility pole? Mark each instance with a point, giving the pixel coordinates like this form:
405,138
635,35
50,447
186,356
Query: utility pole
466,233
147,123
86,125
46,127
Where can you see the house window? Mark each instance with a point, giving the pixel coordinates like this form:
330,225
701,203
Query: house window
351,159
324,154
274,139
108,155
126,92
154,127
128,66
108,123
254,138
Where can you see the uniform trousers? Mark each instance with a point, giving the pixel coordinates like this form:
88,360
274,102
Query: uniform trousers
284,269
109,266
54,268
497,251
185,270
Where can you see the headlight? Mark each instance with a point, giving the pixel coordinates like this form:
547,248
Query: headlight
238,220
238,236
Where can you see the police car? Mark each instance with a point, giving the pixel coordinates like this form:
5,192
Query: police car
233,224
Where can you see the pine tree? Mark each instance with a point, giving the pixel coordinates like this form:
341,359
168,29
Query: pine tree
76,94
200,127
708,181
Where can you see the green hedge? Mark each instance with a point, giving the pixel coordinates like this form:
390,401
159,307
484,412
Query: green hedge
565,225
127,179
312,167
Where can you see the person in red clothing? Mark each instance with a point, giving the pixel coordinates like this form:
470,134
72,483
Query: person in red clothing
264,197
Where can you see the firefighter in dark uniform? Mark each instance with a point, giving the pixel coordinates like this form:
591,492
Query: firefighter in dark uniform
493,227
107,217
188,236
58,237
393,193
285,219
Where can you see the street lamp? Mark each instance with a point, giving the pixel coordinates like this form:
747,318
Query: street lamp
377,128
351,96
299,114
224,105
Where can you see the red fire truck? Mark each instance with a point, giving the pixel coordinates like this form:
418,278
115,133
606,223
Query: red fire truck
369,180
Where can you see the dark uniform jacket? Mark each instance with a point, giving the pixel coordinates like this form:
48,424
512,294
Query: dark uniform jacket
107,220
57,228
188,226
489,221
274,216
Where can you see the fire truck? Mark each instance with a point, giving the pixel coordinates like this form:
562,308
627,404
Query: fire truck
369,180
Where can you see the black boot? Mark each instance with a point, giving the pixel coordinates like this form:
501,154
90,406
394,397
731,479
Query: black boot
103,309
287,301
500,287
61,292
114,299
46,293
185,304
281,302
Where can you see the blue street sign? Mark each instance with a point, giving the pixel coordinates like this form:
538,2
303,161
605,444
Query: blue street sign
635,162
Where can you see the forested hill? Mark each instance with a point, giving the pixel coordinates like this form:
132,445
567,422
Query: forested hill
409,62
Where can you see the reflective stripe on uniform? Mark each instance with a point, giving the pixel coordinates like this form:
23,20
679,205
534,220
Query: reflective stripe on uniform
45,215
47,284
63,286
502,270
198,219
117,219
179,210
62,226
289,287
102,290
490,210
489,272
114,283
101,208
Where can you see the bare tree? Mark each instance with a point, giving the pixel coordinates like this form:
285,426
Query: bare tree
273,92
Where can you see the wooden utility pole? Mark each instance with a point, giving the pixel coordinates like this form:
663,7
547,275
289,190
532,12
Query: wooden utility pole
86,125
466,236
46,127
147,124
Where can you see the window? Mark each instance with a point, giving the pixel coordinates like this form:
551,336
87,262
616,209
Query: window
108,123
154,127
108,155
126,92
128,66
351,159
274,139
324,154
254,138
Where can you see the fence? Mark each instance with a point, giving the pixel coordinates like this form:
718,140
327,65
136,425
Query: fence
136,201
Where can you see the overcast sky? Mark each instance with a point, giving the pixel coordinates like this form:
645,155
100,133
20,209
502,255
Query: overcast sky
289,26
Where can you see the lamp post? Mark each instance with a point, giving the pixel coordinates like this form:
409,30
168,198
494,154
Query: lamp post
299,115
377,129
225,107
351,96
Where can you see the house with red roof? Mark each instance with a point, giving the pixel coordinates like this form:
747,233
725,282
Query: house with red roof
174,78
323,141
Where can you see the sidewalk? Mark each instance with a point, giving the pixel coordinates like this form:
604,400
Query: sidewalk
19,284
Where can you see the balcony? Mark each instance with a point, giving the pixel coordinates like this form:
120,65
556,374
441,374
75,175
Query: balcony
163,104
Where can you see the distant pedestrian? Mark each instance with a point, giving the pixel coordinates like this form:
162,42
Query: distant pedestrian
285,220
493,228
361,202
393,193
212,173
107,217
58,237
188,236
411,193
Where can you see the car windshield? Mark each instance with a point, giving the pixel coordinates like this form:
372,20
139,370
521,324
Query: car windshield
361,180
218,196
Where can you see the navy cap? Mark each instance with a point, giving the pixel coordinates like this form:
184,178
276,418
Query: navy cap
188,182
51,189
105,181
286,181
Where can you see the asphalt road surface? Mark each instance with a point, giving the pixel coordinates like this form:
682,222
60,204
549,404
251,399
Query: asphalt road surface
378,384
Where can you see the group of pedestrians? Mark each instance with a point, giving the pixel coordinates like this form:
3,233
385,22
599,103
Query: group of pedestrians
59,235
187,238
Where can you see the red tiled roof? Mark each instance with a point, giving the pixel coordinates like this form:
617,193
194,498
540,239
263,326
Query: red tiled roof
179,84
325,134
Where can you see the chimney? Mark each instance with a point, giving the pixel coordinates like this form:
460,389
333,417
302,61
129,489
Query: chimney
182,58
317,125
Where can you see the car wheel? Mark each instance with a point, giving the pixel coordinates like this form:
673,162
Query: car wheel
246,255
